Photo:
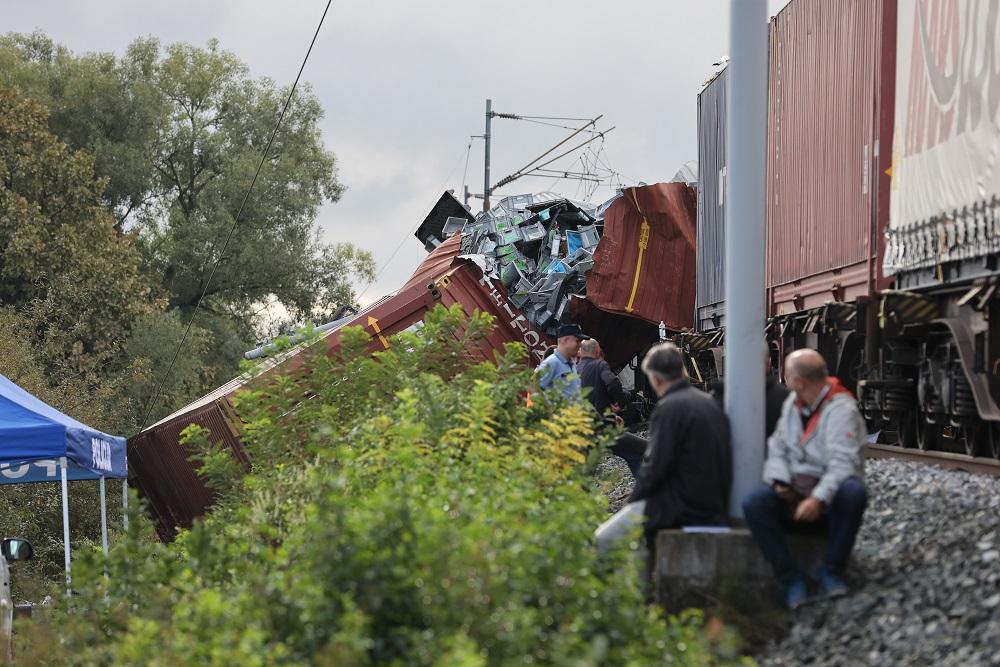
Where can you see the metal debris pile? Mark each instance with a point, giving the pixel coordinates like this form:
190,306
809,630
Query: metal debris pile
540,247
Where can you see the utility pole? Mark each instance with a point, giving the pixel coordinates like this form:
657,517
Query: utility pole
746,145
486,169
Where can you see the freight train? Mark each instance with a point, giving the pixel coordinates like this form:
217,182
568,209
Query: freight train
883,186
883,240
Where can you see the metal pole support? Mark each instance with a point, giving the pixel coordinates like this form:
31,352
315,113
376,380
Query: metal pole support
486,158
104,519
65,508
746,143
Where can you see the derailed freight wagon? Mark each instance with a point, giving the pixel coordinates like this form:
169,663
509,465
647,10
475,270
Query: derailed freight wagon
159,465
642,274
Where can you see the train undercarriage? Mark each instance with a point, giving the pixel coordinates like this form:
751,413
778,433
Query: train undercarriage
925,365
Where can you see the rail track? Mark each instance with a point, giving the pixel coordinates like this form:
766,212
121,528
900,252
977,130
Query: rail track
973,464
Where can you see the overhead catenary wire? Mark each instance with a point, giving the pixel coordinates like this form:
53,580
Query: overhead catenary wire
561,127
561,155
525,169
236,220
465,174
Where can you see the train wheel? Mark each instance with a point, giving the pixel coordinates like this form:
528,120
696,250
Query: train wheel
906,429
927,435
993,431
976,437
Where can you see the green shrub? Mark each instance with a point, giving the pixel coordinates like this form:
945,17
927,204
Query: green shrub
406,509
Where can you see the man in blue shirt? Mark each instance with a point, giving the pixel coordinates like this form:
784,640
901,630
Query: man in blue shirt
559,369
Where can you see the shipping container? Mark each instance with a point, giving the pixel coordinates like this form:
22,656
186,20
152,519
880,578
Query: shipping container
644,265
159,465
830,104
711,276
945,178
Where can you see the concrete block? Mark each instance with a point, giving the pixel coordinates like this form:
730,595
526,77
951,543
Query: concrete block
710,569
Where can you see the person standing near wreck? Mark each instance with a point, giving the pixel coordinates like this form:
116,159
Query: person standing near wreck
559,369
595,374
813,472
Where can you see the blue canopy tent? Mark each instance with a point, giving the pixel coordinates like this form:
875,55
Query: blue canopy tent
36,440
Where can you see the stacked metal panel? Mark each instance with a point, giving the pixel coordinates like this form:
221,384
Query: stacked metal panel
540,248
711,275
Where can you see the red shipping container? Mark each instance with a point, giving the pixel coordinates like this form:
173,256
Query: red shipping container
159,465
644,264
830,108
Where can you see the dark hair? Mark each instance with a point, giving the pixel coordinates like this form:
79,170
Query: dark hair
664,360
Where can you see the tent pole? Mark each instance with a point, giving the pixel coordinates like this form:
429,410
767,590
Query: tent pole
104,520
125,503
65,505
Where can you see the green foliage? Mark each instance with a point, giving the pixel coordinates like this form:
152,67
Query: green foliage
120,178
59,251
406,514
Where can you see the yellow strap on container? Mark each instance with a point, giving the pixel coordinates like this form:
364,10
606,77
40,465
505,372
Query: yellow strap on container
643,244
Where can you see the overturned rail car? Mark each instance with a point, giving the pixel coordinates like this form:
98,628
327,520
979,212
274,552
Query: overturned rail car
158,463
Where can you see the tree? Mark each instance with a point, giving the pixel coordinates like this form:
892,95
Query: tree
60,254
178,132
110,107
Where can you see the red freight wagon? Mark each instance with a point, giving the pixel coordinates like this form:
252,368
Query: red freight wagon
830,108
643,274
159,465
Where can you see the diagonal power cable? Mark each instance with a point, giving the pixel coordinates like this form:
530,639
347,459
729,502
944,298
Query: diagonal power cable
236,222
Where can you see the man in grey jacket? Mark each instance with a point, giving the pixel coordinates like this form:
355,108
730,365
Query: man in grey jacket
814,476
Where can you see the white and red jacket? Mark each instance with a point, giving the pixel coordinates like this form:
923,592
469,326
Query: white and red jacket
824,443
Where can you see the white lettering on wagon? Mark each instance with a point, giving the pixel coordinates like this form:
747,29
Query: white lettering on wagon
518,322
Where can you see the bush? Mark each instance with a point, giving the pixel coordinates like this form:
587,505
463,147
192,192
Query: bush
413,511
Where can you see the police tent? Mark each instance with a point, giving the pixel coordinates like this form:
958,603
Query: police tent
41,444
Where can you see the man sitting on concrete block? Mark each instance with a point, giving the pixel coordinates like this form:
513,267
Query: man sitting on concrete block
686,471
813,471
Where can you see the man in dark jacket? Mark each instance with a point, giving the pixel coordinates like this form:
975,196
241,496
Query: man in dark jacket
605,388
687,469
608,398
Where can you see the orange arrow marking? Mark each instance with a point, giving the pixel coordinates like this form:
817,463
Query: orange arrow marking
373,323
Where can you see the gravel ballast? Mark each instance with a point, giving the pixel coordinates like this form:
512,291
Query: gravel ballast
925,578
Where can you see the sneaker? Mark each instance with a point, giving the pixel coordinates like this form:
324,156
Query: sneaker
833,585
796,593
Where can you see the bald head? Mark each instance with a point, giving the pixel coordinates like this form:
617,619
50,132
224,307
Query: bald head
590,348
807,365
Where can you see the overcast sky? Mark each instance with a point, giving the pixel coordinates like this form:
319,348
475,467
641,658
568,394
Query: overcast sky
404,85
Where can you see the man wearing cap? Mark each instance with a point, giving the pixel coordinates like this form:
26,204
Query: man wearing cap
559,369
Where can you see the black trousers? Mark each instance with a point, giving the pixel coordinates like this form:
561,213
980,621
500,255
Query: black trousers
630,447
